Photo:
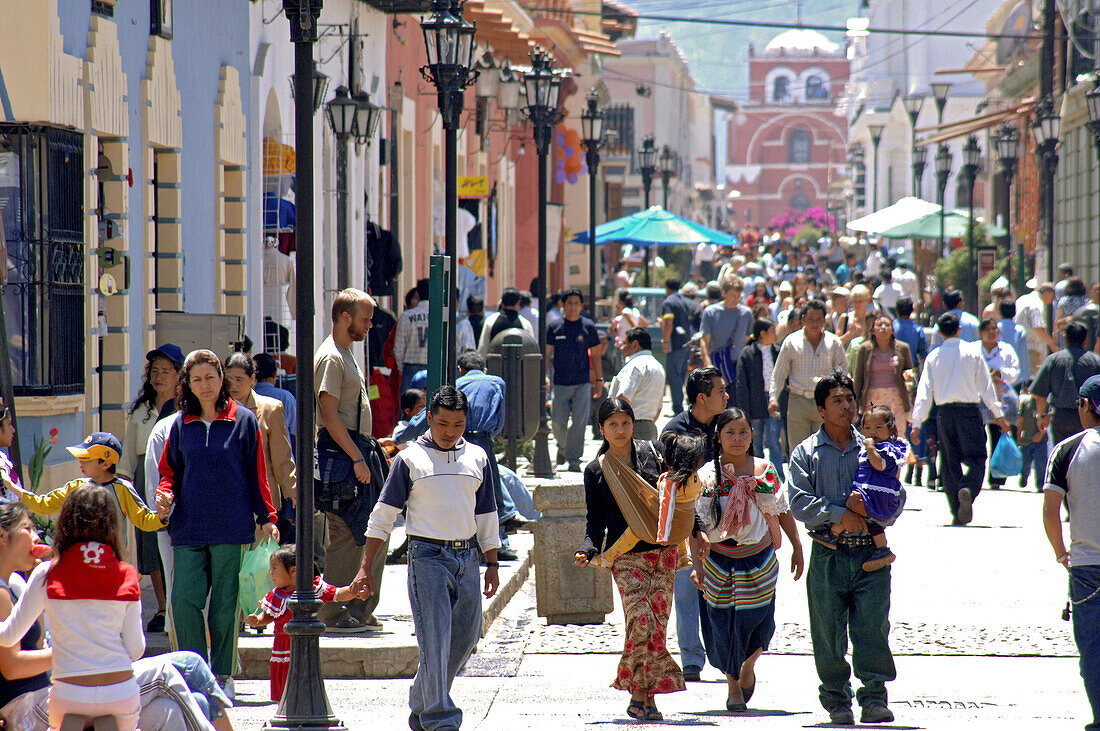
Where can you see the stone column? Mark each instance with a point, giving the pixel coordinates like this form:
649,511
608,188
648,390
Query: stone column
566,594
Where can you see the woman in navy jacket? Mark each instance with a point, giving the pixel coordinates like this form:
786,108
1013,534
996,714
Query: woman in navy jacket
753,383
214,481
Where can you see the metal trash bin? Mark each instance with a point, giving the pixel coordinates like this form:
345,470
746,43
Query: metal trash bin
514,356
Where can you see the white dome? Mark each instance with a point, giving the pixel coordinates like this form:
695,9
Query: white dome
801,39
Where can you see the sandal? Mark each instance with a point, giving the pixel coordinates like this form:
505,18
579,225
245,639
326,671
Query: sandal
652,714
636,710
156,624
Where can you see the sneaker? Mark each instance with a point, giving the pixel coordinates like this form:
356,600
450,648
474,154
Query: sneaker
346,625
825,537
507,554
842,716
876,713
966,506
156,624
225,682
692,673
513,525
880,558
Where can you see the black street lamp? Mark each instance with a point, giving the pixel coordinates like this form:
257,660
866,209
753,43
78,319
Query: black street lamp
972,157
1046,130
1008,155
449,40
647,158
667,161
342,110
304,704
943,172
939,93
543,89
913,106
876,136
1092,99
592,131
920,162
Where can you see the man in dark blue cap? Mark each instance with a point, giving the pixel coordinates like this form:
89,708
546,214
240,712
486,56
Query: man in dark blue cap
1071,476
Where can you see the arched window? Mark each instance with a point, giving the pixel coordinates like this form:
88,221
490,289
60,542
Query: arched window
815,88
781,91
799,202
798,146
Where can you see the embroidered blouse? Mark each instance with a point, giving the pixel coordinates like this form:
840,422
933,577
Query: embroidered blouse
764,498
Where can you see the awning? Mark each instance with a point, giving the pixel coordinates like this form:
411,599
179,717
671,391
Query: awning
964,127
498,31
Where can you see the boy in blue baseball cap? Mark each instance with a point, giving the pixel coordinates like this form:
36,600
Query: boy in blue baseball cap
98,455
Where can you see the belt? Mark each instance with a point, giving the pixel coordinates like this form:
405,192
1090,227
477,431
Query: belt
807,394
959,405
855,541
461,543
478,434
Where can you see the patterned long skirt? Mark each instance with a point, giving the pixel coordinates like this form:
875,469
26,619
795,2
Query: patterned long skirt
891,399
737,604
645,582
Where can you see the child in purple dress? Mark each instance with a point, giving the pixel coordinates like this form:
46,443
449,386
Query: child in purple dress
876,489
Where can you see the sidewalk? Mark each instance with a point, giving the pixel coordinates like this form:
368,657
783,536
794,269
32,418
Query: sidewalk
390,652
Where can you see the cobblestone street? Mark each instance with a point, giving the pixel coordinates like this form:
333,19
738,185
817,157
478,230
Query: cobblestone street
976,631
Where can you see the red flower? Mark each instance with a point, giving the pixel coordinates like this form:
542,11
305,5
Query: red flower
643,620
629,646
648,668
659,603
652,557
665,685
671,559
638,575
624,674
54,432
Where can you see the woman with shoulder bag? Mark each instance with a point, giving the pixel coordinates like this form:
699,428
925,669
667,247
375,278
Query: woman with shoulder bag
744,510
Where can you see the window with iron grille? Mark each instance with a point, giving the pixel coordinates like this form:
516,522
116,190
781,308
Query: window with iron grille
620,118
42,203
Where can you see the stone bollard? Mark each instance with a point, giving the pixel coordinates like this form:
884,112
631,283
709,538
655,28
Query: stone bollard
566,594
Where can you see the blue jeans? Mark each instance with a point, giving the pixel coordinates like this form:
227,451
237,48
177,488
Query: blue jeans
687,621
575,401
766,435
445,594
1035,455
676,372
201,682
1083,581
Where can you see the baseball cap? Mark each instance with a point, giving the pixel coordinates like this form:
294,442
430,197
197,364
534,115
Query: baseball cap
785,286
98,445
841,292
1090,392
171,351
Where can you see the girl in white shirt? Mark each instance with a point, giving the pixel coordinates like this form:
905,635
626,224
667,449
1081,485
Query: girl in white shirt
92,601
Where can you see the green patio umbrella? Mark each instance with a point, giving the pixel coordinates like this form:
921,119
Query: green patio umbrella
955,224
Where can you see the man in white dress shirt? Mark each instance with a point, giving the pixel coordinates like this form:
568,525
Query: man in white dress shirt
641,381
955,378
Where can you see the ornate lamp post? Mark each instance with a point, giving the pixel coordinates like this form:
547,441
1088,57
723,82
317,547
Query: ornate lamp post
592,131
342,111
449,40
304,703
876,137
913,106
647,157
1093,101
972,156
920,162
1008,154
1047,127
667,161
543,87
943,172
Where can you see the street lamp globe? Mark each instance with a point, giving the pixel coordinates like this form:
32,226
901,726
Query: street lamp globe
541,84
508,88
972,154
488,79
647,156
1048,125
667,160
367,117
1092,99
913,106
319,83
1008,143
441,31
920,157
940,90
944,158
342,111
875,131
592,120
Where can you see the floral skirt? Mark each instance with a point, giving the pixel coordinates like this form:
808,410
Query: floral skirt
646,582
890,398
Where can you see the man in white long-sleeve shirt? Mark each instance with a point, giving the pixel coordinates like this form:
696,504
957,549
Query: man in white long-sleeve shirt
410,337
955,378
447,487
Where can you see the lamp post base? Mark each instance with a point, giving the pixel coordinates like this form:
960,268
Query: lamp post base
305,705
541,465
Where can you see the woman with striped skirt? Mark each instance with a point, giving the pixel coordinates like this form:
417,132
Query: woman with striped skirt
744,510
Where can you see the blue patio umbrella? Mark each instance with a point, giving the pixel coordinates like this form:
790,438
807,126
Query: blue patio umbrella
656,227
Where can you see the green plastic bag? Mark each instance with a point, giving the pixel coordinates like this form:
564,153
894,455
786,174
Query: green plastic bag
255,581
